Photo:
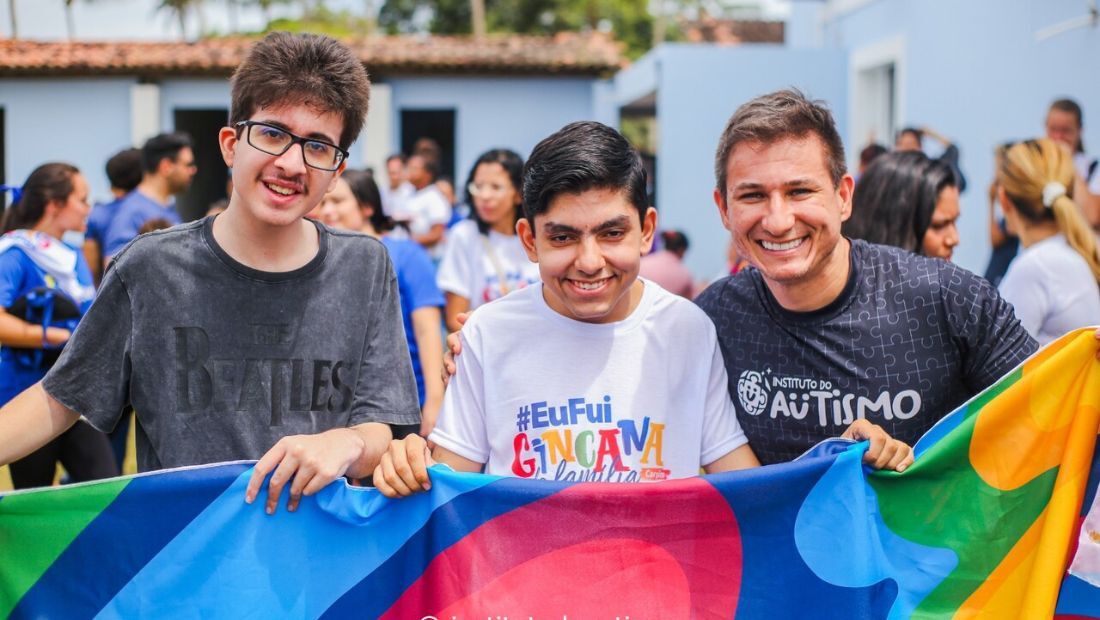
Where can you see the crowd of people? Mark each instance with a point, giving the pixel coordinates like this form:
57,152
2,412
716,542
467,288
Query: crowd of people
302,322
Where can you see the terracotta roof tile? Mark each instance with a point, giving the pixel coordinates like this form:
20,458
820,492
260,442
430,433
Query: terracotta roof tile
568,54
733,31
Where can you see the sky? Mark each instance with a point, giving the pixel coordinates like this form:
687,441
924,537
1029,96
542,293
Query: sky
140,19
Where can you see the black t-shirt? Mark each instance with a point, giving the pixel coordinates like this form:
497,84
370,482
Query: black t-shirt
909,339
220,361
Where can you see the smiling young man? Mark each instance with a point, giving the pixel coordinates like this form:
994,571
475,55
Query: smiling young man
593,374
824,330
255,334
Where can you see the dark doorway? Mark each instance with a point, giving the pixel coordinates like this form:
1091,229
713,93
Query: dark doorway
209,184
439,125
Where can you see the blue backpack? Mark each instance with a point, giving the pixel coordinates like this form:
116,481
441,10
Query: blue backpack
48,307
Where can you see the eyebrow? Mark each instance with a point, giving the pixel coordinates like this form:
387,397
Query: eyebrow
316,135
551,228
800,182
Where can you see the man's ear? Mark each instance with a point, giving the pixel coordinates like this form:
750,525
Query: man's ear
720,202
339,171
649,230
526,236
845,191
227,142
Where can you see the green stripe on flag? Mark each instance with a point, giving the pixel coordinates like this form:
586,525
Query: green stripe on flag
945,503
37,526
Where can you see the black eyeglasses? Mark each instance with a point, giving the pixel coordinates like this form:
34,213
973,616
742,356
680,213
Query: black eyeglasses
276,141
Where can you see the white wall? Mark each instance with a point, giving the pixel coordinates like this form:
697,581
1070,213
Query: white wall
976,73
79,121
699,87
509,112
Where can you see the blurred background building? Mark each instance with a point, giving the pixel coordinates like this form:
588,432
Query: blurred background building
80,80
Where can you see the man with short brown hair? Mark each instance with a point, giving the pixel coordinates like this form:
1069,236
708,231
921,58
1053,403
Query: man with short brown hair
823,330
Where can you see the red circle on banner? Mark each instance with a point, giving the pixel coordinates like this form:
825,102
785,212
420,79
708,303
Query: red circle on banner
593,550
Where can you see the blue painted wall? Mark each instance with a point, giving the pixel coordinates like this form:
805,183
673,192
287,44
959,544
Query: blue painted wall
510,112
976,73
79,121
698,88
513,112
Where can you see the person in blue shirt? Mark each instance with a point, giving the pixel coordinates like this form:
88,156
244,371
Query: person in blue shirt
45,287
169,165
354,203
124,173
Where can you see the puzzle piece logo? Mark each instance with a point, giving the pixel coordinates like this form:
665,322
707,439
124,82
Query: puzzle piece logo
752,391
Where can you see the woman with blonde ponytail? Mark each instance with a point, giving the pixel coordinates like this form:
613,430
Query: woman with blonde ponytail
1054,284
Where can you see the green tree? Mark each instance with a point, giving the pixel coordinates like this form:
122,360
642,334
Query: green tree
178,9
70,26
628,20
14,23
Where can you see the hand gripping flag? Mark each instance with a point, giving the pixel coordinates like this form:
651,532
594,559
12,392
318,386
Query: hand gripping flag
994,519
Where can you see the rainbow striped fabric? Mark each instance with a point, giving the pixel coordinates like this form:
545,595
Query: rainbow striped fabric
988,521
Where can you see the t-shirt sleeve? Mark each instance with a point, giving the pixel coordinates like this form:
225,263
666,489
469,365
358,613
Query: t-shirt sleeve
12,276
419,277
122,230
722,432
461,424
386,389
439,211
92,376
1030,302
989,335
456,269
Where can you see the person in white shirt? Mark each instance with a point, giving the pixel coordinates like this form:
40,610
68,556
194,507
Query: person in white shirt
427,211
1053,283
484,259
397,190
1064,125
594,374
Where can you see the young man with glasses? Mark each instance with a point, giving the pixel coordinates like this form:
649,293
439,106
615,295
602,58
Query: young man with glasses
254,334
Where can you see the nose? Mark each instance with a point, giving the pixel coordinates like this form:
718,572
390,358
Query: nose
589,259
952,237
779,217
293,161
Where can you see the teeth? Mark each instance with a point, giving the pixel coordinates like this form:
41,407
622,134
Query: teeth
778,247
589,286
279,190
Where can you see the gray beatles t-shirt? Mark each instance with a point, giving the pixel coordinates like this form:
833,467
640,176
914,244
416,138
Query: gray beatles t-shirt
220,361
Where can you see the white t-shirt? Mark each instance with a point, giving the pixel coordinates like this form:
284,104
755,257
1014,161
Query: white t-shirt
1082,162
393,200
1052,290
468,269
424,209
538,395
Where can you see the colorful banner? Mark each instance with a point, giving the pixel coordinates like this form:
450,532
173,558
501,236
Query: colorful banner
986,522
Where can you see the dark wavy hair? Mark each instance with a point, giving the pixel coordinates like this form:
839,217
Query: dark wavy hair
48,183
580,157
366,193
311,69
895,198
513,166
